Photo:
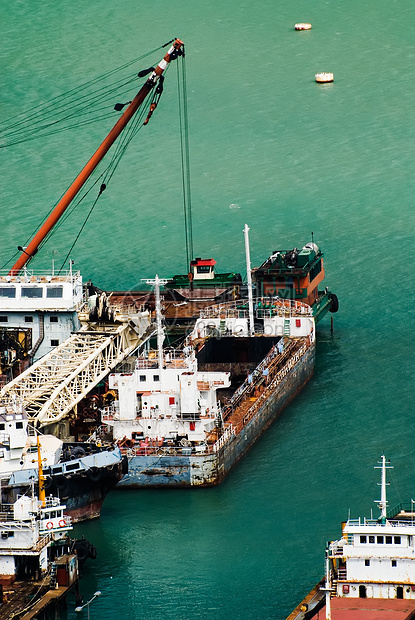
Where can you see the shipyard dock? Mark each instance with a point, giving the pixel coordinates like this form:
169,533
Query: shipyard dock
39,599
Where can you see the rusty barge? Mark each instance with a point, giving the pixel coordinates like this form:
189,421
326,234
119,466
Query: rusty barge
185,417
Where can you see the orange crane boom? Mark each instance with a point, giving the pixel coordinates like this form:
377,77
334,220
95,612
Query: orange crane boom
88,169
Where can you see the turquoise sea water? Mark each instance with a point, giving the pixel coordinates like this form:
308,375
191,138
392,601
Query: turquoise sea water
272,149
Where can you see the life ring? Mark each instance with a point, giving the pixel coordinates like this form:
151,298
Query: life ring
49,525
62,523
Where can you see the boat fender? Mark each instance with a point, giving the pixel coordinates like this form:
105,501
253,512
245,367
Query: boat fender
94,474
48,484
49,525
62,523
59,481
334,303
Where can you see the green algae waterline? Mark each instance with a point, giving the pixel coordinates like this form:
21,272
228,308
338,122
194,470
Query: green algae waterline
271,148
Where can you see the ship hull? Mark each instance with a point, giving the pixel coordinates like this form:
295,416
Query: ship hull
84,495
82,484
193,470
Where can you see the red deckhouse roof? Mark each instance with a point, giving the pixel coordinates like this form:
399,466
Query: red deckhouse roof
199,262
372,609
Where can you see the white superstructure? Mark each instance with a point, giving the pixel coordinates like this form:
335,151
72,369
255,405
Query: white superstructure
165,403
18,441
272,316
375,558
27,528
45,305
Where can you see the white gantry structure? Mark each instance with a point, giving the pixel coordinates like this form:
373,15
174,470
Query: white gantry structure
55,384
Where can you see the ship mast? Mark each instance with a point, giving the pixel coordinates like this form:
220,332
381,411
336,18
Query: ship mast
175,50
157,282
249,279
383,501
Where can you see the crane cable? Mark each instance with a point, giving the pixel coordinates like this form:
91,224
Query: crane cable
185,158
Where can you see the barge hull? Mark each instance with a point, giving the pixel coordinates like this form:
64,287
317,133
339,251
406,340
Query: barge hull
191,470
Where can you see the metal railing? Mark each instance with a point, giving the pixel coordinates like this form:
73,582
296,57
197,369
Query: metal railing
264,307
377,523
26,276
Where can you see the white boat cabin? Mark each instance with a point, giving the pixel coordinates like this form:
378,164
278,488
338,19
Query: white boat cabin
27,529
202,268
272,317
18,441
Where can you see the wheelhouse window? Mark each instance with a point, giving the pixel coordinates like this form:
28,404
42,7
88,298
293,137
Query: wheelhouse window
8,291
371,539
32,292
397,540
203,268
363,539
379,540
54,291
4,319
388,540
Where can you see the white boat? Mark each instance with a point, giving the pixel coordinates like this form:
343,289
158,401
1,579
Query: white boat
28,527
302,26
82,473
324,78
370,570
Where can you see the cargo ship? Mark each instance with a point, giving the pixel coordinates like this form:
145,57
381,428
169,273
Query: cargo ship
370,570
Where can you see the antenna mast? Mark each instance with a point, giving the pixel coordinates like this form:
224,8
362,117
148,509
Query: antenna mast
249,279
160,331
383,501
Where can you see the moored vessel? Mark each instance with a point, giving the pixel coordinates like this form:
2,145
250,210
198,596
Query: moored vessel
29,527
185,417
369,571
79,473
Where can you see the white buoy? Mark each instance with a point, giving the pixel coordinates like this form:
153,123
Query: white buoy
324,78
